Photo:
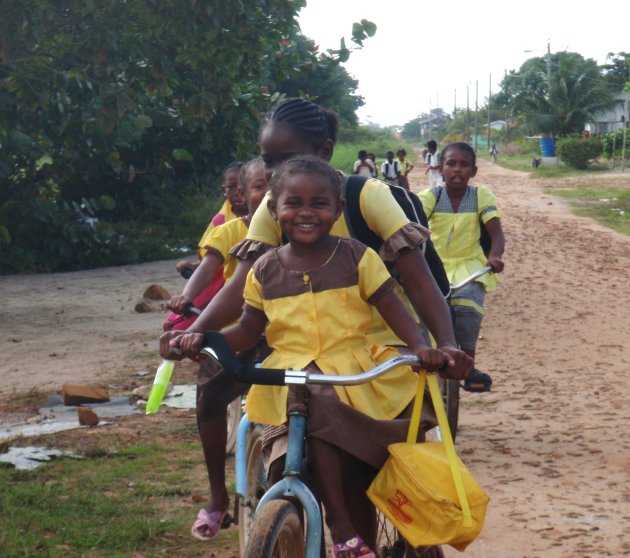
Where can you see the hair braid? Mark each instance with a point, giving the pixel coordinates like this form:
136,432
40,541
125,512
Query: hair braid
311,122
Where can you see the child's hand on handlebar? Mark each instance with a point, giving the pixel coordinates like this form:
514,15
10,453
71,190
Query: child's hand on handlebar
167,344
189,345
179,304
432,359
495,262
459,364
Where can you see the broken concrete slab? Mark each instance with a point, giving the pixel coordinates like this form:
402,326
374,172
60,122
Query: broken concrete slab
54,416
76,395
182,396
87,417
30,457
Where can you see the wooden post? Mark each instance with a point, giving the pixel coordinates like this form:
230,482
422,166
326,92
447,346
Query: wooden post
625,134
489,97
476,114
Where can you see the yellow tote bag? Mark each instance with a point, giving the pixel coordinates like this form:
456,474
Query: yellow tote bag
424,489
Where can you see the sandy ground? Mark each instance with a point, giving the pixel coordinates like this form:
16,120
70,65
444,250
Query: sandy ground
549,444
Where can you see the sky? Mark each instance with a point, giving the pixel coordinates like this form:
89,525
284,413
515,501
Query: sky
427,55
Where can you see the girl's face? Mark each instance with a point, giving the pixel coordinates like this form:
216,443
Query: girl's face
279,143
457,168
234,193
307,208
255,187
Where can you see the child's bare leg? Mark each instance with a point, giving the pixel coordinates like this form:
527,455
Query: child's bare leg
213,435
327,463
361,507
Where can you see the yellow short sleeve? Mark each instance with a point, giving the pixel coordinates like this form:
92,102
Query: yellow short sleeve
372,274
263,227
253,291
487,204
428,201
380,210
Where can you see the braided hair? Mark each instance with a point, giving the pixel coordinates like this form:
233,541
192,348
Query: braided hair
313,124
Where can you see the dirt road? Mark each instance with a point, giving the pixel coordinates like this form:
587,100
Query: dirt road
550,443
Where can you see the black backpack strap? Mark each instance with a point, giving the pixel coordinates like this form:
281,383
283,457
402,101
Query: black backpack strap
357,226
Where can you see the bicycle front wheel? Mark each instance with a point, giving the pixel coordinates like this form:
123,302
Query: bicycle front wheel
277,533
389,543
256,484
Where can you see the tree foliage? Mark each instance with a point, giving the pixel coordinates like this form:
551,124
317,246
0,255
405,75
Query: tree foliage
617,70
561,103
125,111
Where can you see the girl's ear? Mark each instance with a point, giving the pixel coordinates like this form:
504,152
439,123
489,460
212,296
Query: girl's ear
326,151
474,172
271,206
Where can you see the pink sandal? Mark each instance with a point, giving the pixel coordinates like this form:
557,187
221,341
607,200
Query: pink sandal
210,523
352,548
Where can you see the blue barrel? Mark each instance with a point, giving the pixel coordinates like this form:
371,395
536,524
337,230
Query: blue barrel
548,147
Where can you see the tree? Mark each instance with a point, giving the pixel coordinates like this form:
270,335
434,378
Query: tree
324,81
125,111
562,103
617,70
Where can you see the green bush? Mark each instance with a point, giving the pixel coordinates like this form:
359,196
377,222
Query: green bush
578,151
613,141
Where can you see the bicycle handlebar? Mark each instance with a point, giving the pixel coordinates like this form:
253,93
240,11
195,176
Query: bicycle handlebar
468,280
216,347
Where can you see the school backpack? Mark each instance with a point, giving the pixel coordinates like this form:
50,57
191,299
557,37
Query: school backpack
411,205
484,239
396,169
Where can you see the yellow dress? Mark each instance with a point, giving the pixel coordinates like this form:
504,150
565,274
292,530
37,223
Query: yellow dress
384,217
224,215
221,240
323,317
456,235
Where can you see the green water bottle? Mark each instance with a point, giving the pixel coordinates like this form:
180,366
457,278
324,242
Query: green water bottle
160,383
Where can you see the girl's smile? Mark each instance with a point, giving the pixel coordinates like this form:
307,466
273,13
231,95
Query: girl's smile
306,208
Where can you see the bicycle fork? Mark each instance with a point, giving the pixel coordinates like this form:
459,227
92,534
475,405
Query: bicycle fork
291,485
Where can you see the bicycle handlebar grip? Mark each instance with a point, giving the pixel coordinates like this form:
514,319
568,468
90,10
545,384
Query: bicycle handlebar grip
239,372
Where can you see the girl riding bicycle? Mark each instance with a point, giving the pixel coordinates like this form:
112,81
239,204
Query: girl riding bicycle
216,262
317,296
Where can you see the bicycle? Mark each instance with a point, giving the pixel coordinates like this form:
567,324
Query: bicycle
276,525
450,388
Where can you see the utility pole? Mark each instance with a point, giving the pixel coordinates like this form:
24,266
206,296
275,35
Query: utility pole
625,133
476,114
548,61
489,97
466,132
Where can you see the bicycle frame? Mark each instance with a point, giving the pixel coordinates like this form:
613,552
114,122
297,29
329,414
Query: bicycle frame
291,485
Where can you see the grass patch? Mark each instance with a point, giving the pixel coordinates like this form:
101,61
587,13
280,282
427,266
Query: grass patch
127,497
608,206
523,162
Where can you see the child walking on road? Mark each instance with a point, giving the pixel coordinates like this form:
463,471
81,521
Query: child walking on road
314,296
456,213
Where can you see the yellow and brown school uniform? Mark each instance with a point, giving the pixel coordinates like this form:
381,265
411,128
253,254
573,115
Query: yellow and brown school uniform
320,319
383,216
